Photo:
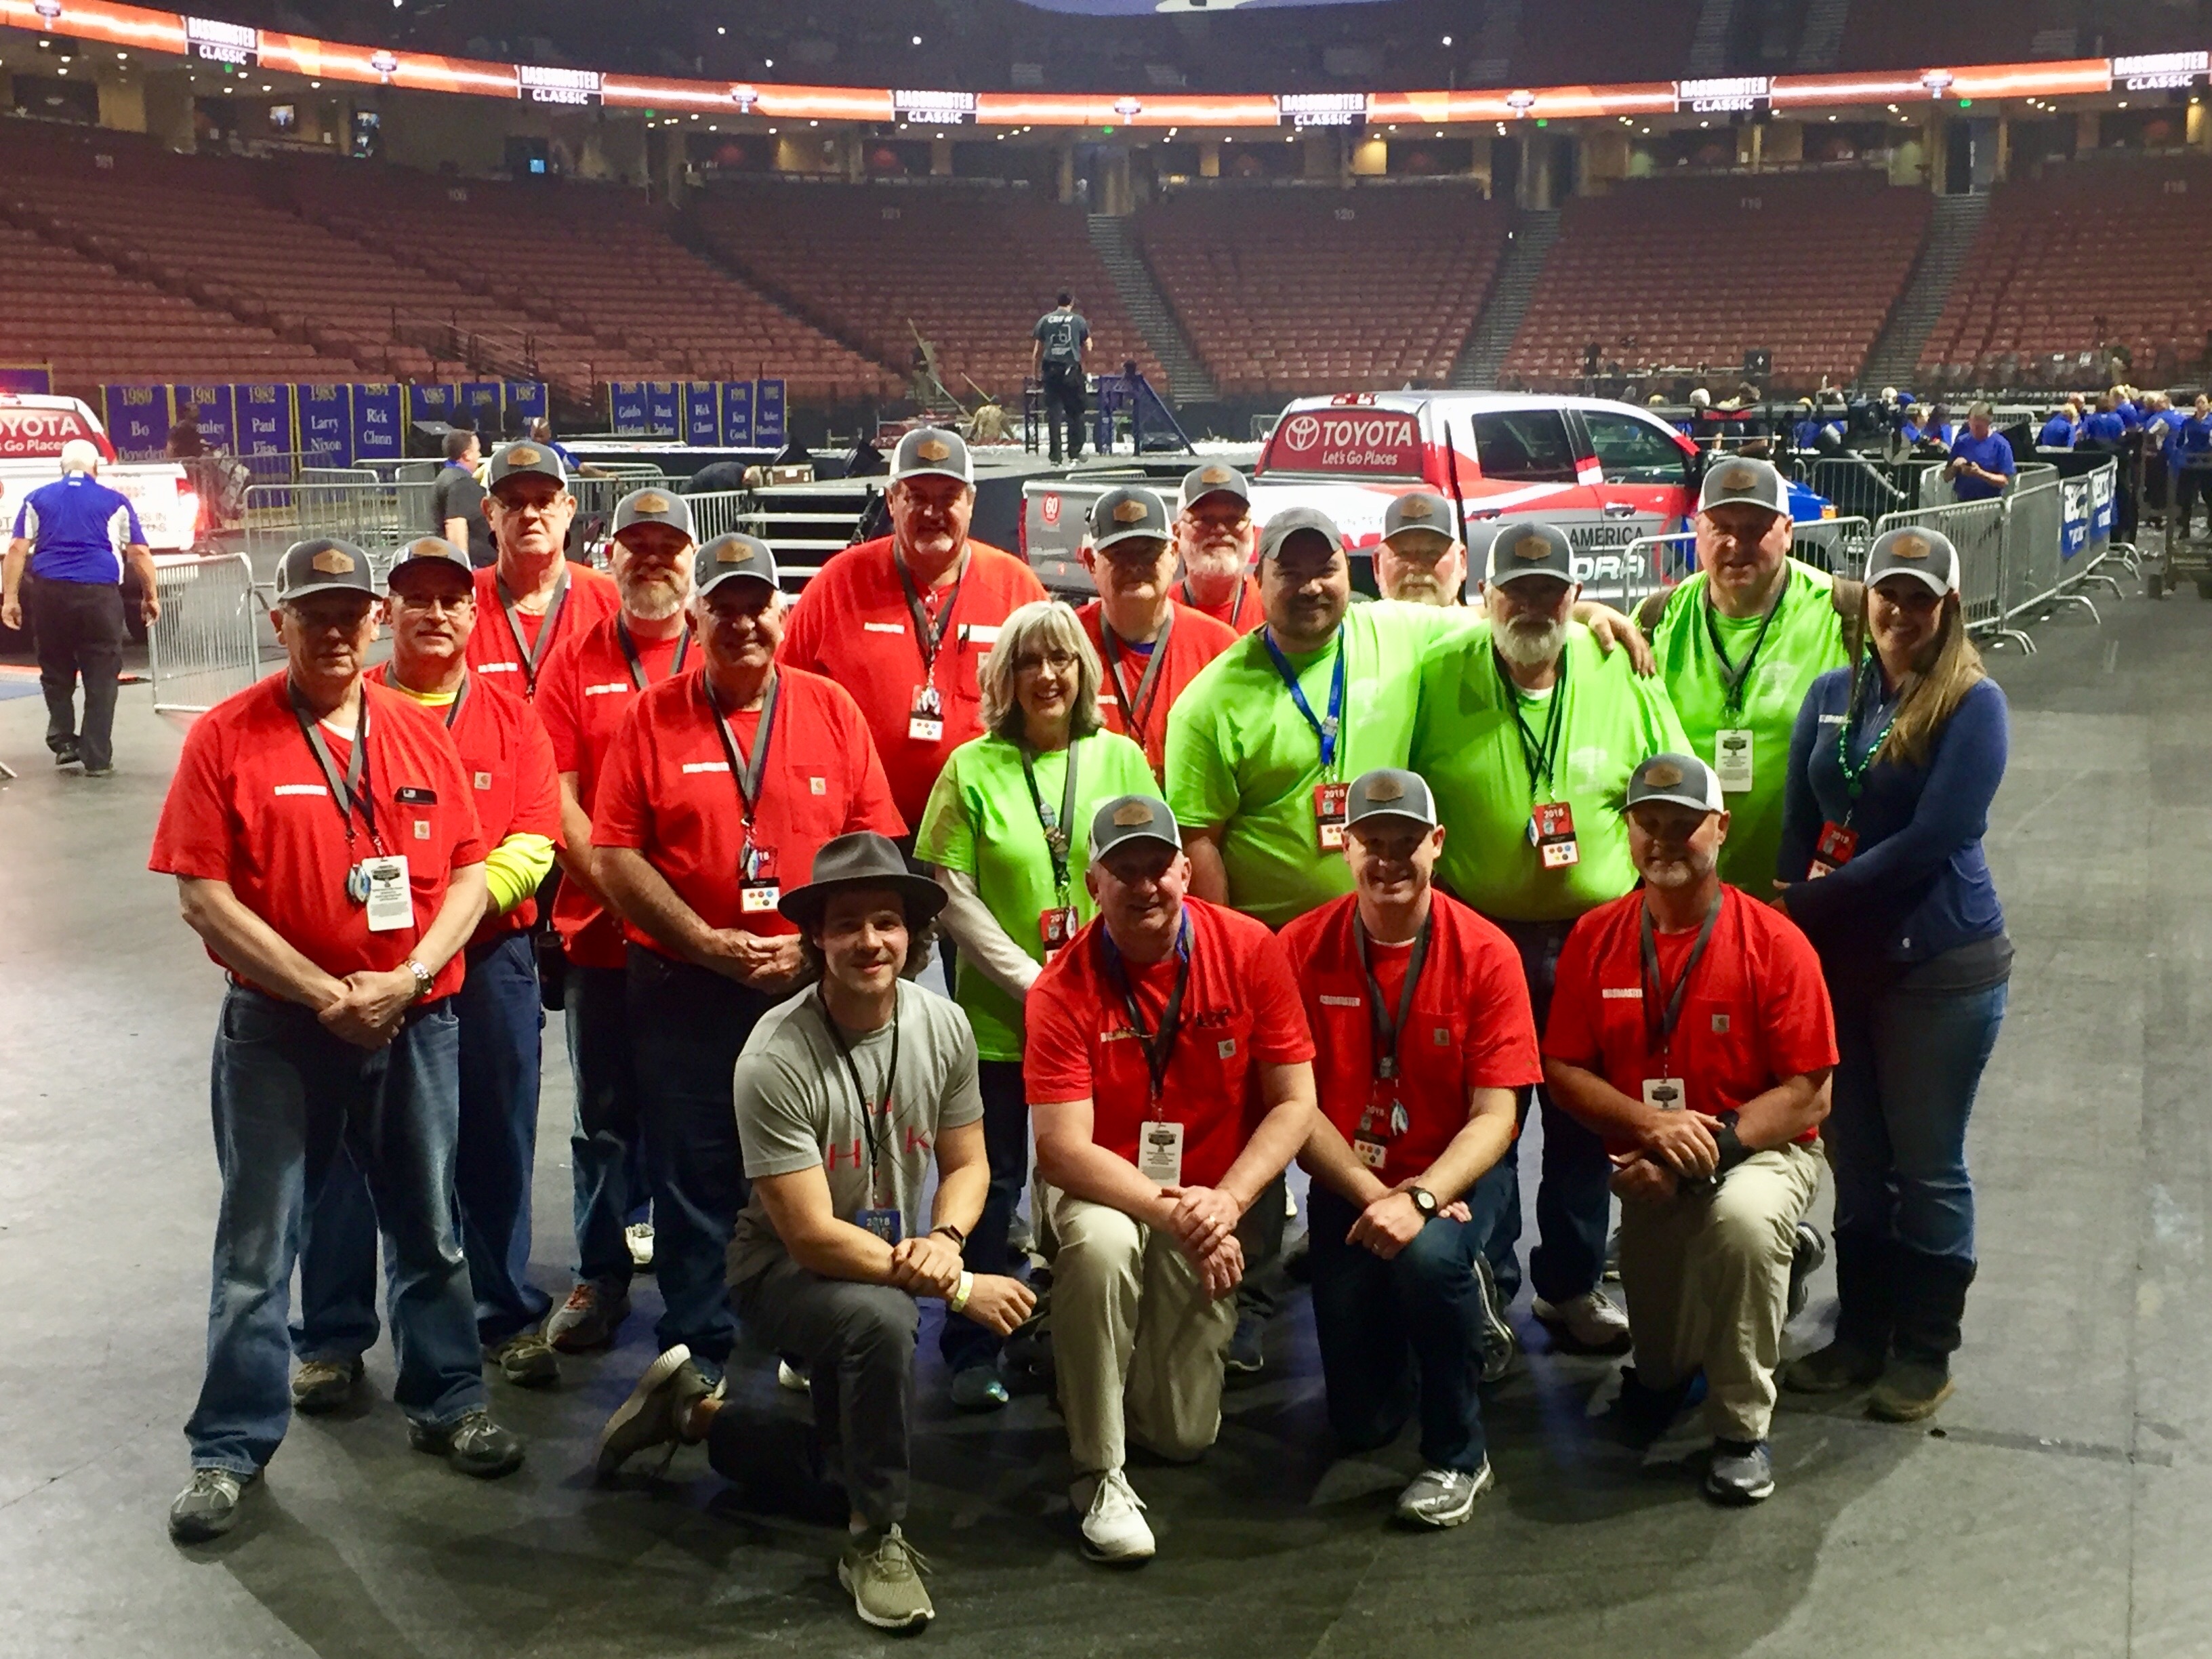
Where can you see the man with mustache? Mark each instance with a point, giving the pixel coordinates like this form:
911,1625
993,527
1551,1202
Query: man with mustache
588,685
430,602
1214,537
532,598
1420,558
1690,1029
717,784
1527,730
1171,1079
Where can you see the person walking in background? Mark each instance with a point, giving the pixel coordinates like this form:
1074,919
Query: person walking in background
1056,358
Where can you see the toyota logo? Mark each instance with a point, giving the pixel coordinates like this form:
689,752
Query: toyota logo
1302,432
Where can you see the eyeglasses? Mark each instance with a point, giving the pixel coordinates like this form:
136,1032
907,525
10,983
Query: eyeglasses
1058,661
436,601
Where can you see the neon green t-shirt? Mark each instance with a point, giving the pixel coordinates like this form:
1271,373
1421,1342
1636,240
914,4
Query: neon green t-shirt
1240,754
980,821
1805,640
1468,744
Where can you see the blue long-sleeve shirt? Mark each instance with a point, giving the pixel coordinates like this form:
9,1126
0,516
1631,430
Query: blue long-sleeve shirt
2058,433
1917,884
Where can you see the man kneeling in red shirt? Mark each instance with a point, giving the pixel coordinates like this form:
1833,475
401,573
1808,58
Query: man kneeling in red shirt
1691,1028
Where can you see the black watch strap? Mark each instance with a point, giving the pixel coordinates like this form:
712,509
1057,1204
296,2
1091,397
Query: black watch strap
1424,1200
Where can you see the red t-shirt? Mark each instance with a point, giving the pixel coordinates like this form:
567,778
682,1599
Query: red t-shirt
852,624
1240,616
1240,1012
1470,1026
583,690
1756,1010
512,777
666,792
249,806
1195,640
493,652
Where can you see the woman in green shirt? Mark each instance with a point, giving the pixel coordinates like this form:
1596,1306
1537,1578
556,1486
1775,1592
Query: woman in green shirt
1006,833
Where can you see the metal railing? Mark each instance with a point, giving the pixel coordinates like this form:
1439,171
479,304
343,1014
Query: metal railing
1862,487
1655,565
206,644
376,515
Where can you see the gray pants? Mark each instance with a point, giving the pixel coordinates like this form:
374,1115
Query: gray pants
857,1341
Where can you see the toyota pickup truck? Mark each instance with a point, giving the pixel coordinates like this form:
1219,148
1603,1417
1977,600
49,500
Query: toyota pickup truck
34,428
1608,474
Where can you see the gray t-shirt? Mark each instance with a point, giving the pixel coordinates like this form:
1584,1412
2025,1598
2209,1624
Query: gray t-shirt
796,1110
1065,333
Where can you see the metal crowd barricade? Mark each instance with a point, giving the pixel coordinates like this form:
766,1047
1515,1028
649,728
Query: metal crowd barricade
206,644
1978,530
1862,487
717,512
1657,564
2035,575
377,516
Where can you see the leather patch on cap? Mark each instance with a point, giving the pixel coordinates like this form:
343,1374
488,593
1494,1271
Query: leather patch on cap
1131,511
1739,481
1416,507
1532,547
523,455
430,547
1216,474
732,553
332,563
1661,774
654,503
1132,815
933,449
1386,789
1910,547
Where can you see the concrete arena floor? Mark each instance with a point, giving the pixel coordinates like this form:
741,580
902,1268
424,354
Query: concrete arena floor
2059,1506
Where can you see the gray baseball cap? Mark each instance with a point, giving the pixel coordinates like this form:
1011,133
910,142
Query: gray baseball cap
1390,792
1298,521
1214,478
931,452
1127,818
512,460
734,558
1529,549
323,566
1735,478
1126,513
655,504
1679,779
1419,509
1926,556
430,549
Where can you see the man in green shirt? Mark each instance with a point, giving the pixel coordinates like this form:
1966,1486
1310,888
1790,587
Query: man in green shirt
1739,644
1527,732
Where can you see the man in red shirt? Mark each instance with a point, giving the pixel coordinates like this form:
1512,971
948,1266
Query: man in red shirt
532,598
1215,540
589,682
1421,1021
902,621
1171,1079
326,852
1690,1027
1151,646
717,784
430,601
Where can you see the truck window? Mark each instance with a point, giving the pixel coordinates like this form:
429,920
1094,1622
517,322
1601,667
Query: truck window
1634,451
1524,446
1354,441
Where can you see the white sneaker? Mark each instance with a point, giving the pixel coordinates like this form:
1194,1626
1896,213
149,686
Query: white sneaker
639,1236
1114,1526
1590,1322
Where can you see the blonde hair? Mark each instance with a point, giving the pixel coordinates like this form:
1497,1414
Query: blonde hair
1932,694
1041,625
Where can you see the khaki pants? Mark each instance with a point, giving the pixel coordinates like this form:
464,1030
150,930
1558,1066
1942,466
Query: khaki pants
1136,1342
1707,1279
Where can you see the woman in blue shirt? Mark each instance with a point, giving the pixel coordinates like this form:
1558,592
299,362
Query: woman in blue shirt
1893,767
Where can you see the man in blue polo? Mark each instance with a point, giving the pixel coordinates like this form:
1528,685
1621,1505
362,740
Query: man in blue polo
75,537
1982,463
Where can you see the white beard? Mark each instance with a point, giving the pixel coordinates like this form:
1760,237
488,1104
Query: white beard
1672,873
1530,647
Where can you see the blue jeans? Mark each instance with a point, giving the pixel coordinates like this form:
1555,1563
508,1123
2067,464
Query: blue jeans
1412,1325
1006,1144
606,1158
1574,1194
287,1096
495,1158
687,1026
1911,1063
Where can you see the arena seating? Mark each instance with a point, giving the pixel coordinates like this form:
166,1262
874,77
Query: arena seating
971,267
1307,290
1696,271
2040,271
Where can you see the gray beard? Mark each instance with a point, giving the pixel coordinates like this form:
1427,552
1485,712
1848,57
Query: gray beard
650,601
1672,874
1530,647
1420,590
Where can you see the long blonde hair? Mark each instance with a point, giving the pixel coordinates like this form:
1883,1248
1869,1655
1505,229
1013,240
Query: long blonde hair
1041,625
1932,694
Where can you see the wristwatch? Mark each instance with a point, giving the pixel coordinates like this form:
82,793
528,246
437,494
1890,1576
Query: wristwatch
1424,1201
424,979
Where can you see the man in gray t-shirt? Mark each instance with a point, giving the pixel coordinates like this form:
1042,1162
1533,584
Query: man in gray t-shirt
1056,359
844,1095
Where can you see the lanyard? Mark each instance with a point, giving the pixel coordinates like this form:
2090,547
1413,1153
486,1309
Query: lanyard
927,640
1325,729
891,1082
1659,1033
1733,677
460,702
1158,1045
1389,1032
1539,757
1057,831
533,655
351,793
1136,709
1236,609
637,662
1854,776
746,773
